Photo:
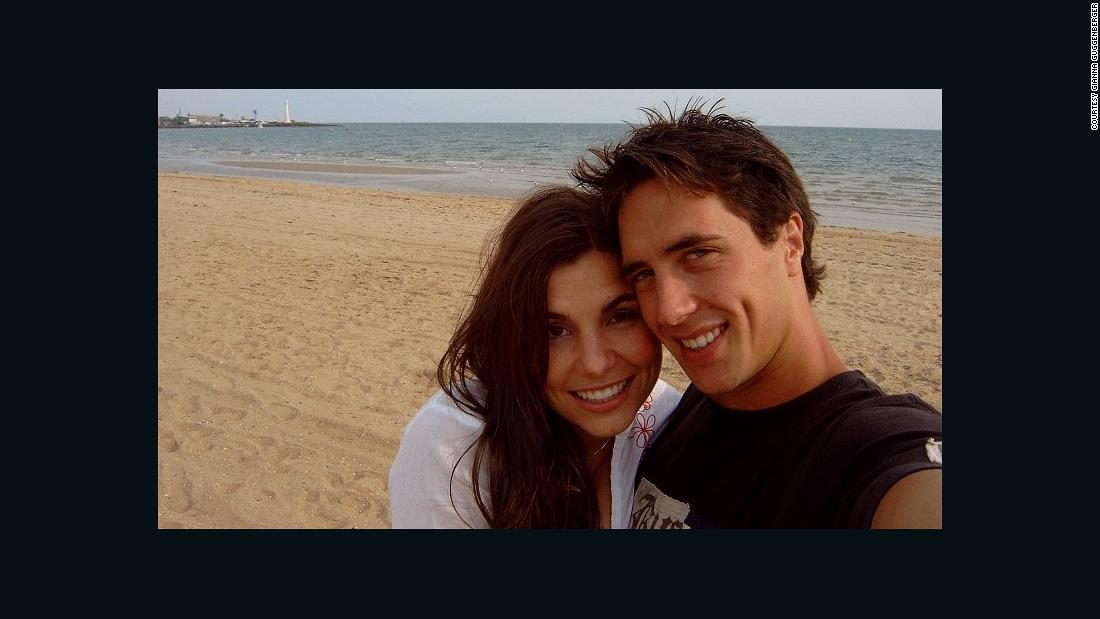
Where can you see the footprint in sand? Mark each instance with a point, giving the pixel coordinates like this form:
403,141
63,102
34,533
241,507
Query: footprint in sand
178,494
284,412
230,488
168,443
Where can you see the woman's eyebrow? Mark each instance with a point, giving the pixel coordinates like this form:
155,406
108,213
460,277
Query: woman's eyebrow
619,300
626,297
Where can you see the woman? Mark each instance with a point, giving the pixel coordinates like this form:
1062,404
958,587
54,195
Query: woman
550,388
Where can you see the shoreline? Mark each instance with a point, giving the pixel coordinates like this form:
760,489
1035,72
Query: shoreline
299,326
471,182
429,181
333,168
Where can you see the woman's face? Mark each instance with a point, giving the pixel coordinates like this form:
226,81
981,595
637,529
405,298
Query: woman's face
604,361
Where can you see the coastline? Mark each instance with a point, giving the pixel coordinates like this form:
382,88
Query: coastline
335,168
299,324
475,180
465,181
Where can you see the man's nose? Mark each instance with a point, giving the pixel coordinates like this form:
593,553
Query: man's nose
675,301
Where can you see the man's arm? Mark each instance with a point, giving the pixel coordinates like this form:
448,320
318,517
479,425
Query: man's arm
914,502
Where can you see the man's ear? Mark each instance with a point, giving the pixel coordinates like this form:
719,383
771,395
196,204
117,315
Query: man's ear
793,242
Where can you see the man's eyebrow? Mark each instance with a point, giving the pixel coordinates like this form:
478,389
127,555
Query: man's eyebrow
682,243
633,266
690,240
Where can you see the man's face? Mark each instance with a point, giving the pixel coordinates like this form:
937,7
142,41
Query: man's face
717,298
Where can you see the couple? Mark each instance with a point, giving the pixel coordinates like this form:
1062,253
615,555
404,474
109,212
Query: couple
694,232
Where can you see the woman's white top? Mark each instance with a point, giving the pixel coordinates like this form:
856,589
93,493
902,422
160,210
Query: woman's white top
421,486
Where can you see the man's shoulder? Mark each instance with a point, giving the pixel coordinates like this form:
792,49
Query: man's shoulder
866,440
887,413
875,430
857,402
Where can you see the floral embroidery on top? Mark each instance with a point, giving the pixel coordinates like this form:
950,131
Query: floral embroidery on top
642,430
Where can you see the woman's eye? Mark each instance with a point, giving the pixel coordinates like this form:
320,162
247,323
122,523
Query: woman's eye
557,331
623,316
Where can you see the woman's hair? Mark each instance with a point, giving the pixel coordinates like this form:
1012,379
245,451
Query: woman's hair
532,456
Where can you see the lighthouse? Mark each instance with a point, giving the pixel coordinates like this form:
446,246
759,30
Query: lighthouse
287,102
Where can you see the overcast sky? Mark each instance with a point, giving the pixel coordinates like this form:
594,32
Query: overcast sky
905,109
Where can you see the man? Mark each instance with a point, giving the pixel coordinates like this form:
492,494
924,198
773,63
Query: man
775,430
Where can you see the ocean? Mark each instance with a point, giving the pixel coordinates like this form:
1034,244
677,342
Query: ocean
878,179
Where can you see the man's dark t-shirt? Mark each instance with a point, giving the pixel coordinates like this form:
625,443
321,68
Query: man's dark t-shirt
824,459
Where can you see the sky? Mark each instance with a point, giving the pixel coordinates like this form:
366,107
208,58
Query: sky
888,109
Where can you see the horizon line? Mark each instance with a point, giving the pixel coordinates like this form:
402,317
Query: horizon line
558,122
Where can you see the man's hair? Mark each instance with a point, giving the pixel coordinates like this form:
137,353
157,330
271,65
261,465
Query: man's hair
531,456
708,153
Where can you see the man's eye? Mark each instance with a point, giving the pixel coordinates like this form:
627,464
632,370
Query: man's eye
639,277
695,254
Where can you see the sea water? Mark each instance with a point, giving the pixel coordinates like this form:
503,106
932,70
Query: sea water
879,179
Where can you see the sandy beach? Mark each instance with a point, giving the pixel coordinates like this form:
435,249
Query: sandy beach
299,326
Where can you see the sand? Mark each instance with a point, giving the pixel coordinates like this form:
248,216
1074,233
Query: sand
298,328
